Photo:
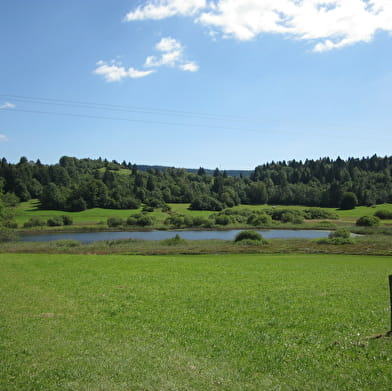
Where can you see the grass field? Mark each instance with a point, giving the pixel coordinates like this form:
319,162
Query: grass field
232,322
97,216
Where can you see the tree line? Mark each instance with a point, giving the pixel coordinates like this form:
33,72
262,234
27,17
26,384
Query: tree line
78,184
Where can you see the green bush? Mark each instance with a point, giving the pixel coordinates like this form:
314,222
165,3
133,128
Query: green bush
319,213
10,199
294,216
177,240
349,201
56,221
34,222
222,220
250,236
115,222
196,221
67,220
166,208
144,221
340,233
368,221
177,221
259,220
384,214
11,224
340,236
205,202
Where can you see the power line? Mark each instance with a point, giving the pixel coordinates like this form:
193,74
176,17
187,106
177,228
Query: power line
121,108
126,119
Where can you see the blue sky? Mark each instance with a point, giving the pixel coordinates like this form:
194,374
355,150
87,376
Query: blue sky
224,83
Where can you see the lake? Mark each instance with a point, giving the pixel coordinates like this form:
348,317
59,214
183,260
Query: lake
89,237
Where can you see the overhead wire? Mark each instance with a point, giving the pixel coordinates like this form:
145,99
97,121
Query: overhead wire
208,126
123,108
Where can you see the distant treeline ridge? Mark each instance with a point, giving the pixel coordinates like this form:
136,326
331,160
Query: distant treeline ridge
78,184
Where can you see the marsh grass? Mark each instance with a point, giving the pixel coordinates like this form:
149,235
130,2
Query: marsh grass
375,244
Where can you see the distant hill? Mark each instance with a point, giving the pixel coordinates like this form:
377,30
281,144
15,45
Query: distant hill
233,173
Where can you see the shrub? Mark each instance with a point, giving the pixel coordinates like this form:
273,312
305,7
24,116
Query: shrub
384,214
11,224
115,222
349,201
67,220
34,222
258,220
56,221
10,199
250,236
177,240
319,213
368,221
131,220
291,217
287,215
147,208
154,202
340,233
206,203
236,215
144,221
196,221
166,208
176,220
222,220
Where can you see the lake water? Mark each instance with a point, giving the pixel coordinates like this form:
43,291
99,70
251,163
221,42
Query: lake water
89,237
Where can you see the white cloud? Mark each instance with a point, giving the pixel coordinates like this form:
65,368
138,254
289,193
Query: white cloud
190,67
326,24
3,138
161,9
172,56
168,44
7,105
114,71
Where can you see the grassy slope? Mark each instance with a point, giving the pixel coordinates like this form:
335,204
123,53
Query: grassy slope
233,322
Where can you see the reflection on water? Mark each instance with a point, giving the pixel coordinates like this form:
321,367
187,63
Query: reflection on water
89,237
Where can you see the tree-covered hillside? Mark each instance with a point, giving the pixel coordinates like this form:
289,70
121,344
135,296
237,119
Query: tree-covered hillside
77,184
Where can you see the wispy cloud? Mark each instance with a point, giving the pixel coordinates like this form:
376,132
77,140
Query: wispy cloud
115,71
165,8
7,105
190,67
326,24
3,138
172,55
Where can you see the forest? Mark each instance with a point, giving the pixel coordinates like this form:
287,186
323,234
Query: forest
77,184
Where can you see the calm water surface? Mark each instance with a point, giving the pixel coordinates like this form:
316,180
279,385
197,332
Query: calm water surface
161,235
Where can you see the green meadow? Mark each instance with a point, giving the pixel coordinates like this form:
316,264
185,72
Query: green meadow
205,322
98,217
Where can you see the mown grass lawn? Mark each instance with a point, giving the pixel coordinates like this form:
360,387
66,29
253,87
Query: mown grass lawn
228,322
